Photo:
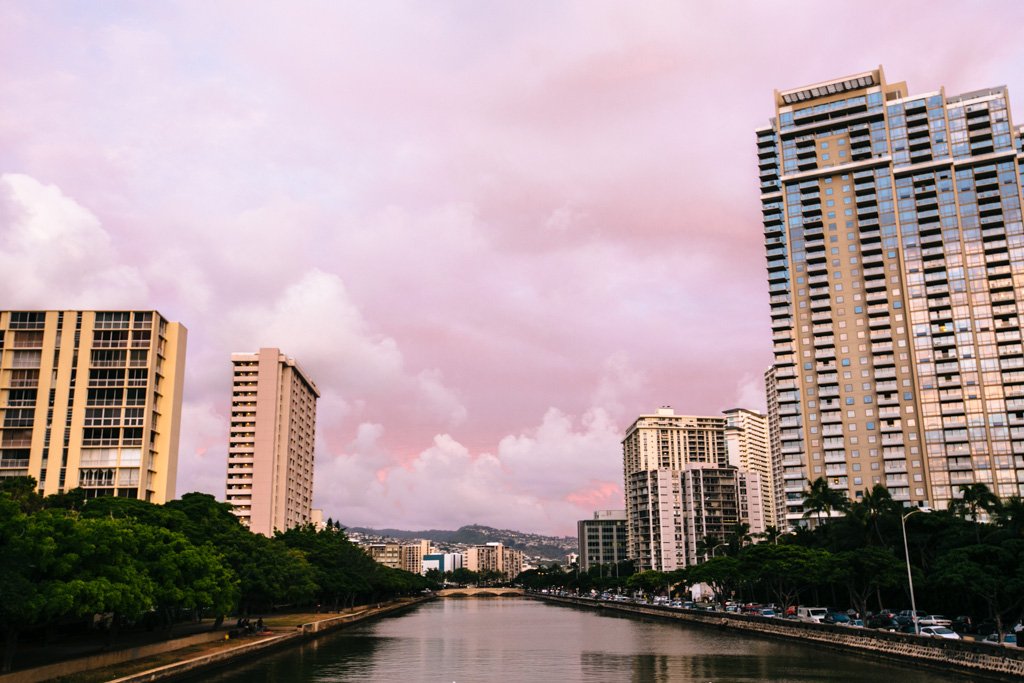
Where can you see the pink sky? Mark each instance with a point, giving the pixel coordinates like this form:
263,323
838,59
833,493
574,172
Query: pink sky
494,233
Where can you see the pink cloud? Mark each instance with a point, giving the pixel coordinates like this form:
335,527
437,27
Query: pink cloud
494,233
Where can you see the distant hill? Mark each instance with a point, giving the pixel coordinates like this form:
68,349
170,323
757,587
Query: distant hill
546,547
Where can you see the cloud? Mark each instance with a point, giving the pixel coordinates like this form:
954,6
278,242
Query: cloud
546,478
55,253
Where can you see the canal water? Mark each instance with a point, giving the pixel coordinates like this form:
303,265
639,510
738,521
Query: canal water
516,639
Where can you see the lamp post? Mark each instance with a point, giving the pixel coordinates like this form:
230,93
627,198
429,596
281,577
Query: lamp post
910,578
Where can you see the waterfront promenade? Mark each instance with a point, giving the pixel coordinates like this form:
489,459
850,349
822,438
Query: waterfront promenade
195,648
990,662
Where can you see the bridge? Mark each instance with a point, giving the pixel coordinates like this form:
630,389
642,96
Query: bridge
479,592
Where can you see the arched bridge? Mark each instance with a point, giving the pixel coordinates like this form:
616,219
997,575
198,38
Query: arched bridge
480,592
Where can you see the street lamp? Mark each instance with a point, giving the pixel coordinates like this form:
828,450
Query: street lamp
910,578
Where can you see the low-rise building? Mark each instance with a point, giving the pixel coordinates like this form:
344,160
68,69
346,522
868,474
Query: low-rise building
602,539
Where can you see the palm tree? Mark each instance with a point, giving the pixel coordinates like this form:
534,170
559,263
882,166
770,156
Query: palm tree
738,537
820,497
872,506
707,545
771,534
975,498
1010,514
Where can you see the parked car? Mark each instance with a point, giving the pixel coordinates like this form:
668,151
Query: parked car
883,622
963,624
837,618
1008,639
812,615
940,632
857,623
906,616
935,620
768,612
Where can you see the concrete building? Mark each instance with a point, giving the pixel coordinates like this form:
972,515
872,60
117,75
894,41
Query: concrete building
92,399
749,446
494,557
778,500
388,554
658,452
270,452
602,540
714,500
892,227
413,553
442,562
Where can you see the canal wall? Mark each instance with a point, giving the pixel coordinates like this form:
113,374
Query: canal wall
253,647
994,662
301,634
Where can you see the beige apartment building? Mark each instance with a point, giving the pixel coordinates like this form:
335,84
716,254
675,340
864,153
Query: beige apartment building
666,458
893,238
494,557
387,554
747,441
92,399
271,446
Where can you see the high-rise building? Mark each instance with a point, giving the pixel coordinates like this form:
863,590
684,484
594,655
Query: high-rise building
602,540
895,252
92,399
270,452
714,500
659,453
749,447
778,501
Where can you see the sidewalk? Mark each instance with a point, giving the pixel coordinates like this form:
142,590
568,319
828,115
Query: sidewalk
190,648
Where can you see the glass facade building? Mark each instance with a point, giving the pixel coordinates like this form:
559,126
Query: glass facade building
895,252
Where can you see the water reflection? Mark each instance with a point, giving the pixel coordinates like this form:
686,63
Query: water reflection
517,639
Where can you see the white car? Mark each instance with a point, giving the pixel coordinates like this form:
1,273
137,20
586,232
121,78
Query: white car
935,620
940,632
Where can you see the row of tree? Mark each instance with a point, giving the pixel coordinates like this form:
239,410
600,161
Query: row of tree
968,560
66,559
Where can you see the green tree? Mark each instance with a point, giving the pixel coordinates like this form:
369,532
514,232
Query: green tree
865,572
464,577
1010,515
784,571
647,581
873,506
721,573
738,537
820,498
57,566
994,573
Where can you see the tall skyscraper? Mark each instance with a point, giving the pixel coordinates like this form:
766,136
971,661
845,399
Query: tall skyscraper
271,447
666,459
92,399
895,252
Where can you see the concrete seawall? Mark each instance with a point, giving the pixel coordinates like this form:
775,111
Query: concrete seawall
248,649
992,662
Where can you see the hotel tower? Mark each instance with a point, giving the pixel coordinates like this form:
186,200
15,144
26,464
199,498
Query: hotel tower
92,399
895,253
270,448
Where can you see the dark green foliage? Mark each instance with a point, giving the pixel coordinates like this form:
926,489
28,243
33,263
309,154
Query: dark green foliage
65,557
